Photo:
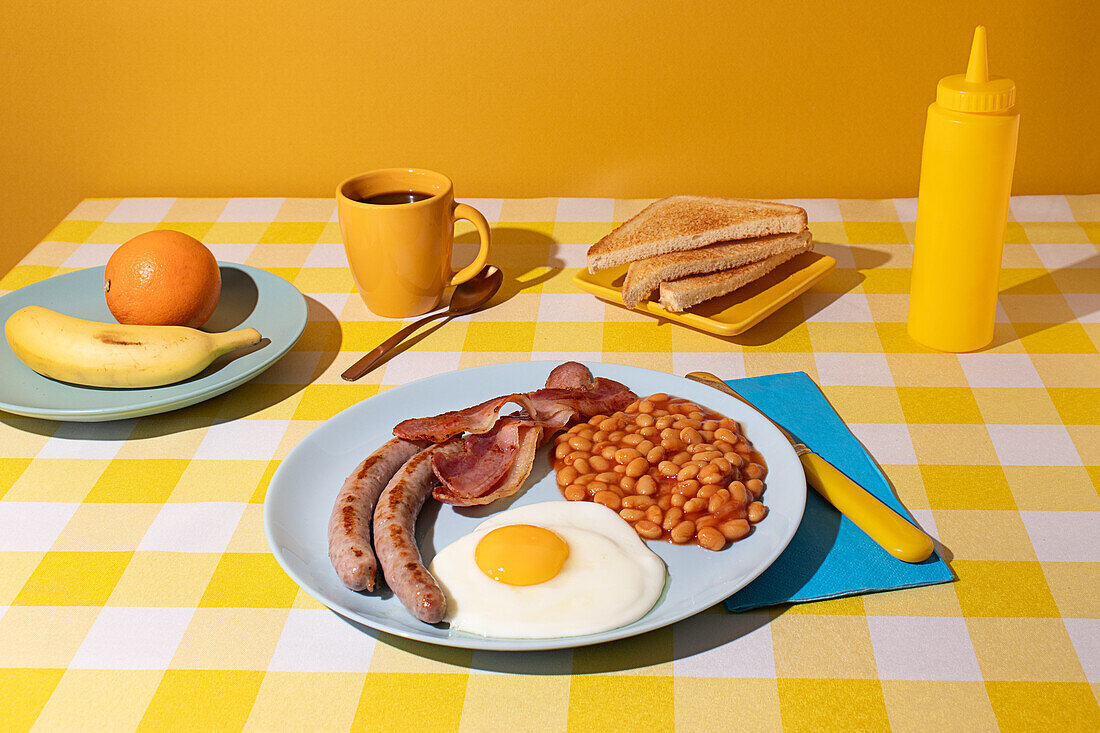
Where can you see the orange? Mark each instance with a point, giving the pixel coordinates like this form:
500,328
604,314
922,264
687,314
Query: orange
162,278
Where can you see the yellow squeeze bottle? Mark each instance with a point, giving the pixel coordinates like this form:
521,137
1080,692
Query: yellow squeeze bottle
962,208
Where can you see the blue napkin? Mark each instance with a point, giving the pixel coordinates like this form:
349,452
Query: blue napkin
829,556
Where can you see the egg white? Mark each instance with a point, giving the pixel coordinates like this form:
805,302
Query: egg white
610,578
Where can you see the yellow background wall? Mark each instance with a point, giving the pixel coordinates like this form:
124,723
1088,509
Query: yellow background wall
619,98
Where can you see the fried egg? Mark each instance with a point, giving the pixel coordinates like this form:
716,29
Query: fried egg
548,570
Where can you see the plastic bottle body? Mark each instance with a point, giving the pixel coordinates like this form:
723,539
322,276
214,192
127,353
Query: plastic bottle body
962,212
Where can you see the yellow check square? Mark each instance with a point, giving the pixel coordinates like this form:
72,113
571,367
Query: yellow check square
249,580
875,232
138,480
1010,649
23,275
292,700
600,702
115,699
939,405
73,579
397,701
1009,406
1003,588
944,707
504,336
212,700
72,230
1061,338
818,704
967,487
886,281
1024,707
32,688
844,337
865,404
196,229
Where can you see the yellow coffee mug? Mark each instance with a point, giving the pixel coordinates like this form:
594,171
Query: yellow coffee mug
398,231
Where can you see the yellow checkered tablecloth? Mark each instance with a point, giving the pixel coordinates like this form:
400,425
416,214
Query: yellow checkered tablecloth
137,590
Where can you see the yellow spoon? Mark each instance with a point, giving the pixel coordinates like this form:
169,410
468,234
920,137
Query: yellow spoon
881,523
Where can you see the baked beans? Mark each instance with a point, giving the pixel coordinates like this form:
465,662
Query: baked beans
671,468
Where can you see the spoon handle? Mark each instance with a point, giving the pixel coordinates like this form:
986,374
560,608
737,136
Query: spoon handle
367,363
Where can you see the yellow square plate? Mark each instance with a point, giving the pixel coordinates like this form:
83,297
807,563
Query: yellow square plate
734,312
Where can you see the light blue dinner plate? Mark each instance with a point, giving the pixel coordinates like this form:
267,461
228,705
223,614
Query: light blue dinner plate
250,298
304,487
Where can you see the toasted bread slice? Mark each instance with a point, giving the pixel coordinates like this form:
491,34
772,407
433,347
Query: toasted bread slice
679,295
687,222
643,276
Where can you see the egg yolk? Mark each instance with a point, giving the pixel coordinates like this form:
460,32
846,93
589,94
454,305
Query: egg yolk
521,554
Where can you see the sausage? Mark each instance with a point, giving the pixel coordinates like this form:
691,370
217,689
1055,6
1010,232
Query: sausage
395,540
349,545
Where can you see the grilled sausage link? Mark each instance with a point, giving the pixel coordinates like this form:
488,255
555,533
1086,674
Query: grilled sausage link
395,539
349,543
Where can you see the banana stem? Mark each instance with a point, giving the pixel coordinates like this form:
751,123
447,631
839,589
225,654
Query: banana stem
231,340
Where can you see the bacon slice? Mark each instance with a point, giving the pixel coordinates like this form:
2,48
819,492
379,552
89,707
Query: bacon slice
479,461
497,455
473,488
551,406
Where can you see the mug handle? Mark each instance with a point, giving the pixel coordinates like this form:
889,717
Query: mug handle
470,214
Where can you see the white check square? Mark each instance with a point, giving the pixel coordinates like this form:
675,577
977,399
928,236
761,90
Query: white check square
1040,208
888,443
489,208
818,209
1086,306
722,364
132,638
857,369
724,645
1033,445
88,440
241,440
193,527
1084,633
318,640
831,308
567,254
926,521
326,255
409,366
28,526
334,303
999,370
237,253
90,255
560,356
906,208
570,307
923,648
251,210
1055,256
1064,536
140,211
577,210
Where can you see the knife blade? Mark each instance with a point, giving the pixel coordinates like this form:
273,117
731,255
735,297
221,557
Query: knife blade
882,524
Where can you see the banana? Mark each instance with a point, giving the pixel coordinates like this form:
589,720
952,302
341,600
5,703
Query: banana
111,355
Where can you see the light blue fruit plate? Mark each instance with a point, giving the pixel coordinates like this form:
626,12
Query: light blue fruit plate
250,298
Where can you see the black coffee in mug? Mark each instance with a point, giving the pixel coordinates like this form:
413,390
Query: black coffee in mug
394,197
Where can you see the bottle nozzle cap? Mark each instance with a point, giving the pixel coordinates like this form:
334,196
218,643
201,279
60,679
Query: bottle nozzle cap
976,90
977,70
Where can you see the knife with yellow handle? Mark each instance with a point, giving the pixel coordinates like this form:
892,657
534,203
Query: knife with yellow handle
881,523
